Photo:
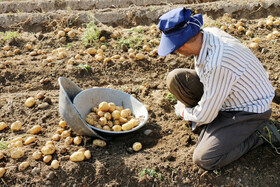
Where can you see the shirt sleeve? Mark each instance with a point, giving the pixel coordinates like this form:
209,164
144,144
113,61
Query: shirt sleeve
217,85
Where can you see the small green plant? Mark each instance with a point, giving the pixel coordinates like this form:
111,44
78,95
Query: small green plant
3,144
9,35
135,41
171,97
152,173
91,34
84,67
68,8
69,46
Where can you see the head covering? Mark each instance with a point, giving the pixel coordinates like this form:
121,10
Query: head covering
177,26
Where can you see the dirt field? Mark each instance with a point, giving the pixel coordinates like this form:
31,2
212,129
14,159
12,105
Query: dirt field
33,57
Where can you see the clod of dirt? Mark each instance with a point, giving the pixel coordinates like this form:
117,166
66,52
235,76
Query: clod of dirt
51,175
276,98
35,171
43,105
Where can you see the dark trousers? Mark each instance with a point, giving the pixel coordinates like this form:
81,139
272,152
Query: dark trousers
225,139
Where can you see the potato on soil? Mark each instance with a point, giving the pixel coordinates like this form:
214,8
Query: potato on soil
77,156
77,140
65,134
47,158
99,143
48,149
56,137
23,166
87,154
137,146
35,129
2,172
1,156
62,124
55,164
17,153
68,140
37,155
30,102
3,125
16,126
18,144
29,140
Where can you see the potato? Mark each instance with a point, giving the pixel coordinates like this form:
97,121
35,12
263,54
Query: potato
117,128
3,125
56,137
122,120
99,57
77,156
65,134
29,140
55,164
77,140
106,128
1,156
2,172
94,109
30,102
116,57
87,154
116,114
119,108
117,122
18,144
106,60
11,145
100,51
62,124
103,106
102,39
99,143
59,131
139,56
124,113
107,115
91,51
17,153
71,34
23,166
112,107
98,126
129,125
37,155
17,139
82,150
48,149
68,140
47,158
61,34
110,124
146,48
137,146
102,121
100,113
35,129
16,126
49,143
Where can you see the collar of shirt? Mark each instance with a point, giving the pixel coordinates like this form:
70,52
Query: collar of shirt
203,51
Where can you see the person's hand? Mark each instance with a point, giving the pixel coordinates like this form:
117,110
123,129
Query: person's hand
179,109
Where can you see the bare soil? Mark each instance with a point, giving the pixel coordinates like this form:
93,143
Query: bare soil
167,150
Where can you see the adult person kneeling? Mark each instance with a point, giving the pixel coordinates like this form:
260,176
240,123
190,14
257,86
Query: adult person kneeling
228,94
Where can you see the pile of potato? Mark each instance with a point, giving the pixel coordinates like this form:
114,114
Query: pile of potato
110,117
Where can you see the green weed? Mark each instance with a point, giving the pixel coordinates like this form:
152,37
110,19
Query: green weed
91,34
135,42
3,144
170,97
152,173
84,67
9,35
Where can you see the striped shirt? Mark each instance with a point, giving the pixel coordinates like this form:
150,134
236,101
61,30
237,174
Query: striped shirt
232,76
